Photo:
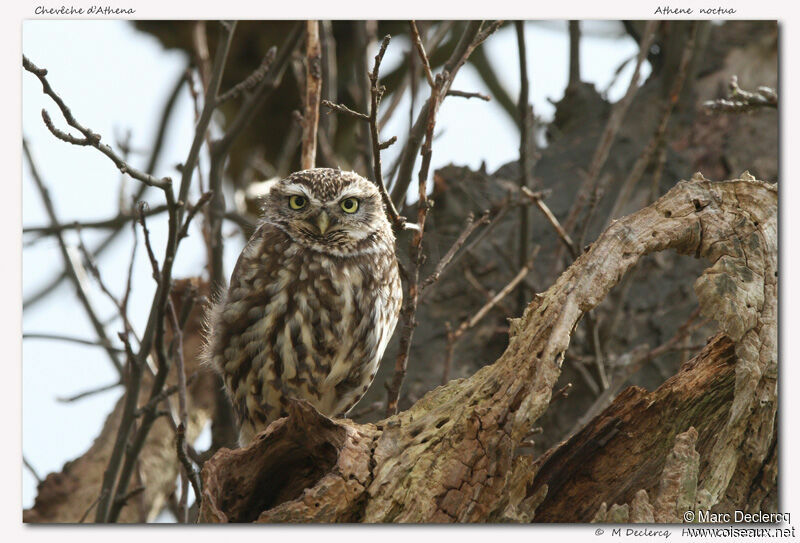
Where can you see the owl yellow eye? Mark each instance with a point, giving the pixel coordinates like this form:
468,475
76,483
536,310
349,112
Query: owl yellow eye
349,205
297,202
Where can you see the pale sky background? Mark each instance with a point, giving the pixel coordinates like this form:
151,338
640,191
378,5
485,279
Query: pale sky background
116,79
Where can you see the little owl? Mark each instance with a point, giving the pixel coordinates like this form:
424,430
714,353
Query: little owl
312,303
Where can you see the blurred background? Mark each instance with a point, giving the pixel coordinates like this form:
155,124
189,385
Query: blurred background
128,81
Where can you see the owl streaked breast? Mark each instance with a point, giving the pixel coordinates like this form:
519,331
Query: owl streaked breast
313,300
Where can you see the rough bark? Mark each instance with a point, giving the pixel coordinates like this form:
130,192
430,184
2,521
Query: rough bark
66,496
451,456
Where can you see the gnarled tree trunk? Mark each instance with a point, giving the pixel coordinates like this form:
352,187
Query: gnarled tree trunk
705,439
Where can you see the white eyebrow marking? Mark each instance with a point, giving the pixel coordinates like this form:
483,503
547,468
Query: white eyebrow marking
299,190
354,191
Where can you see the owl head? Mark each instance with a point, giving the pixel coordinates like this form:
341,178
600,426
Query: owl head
329,210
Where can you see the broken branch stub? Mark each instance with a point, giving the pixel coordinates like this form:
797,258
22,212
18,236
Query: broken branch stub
451,456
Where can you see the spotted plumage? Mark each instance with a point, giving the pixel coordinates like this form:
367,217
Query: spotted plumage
313,300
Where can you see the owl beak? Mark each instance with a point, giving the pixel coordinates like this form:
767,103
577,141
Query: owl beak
323,222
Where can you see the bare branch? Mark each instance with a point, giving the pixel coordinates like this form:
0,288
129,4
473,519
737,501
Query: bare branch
133,383
397,95
612,127
89,137
58,337
252,80
90,392
165,117
346,110
115,222
473,36
525,114
376,93
191,472
536,198
669,104
313,91
209,105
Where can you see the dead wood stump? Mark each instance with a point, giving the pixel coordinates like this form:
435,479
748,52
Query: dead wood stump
452,456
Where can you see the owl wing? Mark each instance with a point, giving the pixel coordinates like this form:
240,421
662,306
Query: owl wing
233,341
247,253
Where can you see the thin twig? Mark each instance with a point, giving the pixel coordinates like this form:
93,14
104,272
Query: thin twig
91,506
741,101
124,456
177,356
249,109
58,337
636,363
496,213
193,209
150,253
202,57
30,469
164,394
133,383
95,271
346,110
486,69
122,501
537,199
210,104
426,65
463,94
475,319
330,81
563,392
455,335
398,94
87,393
470,226
599,359
587,378
152,341
69,265
252,80
487,294
376,93
192,475
364,33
